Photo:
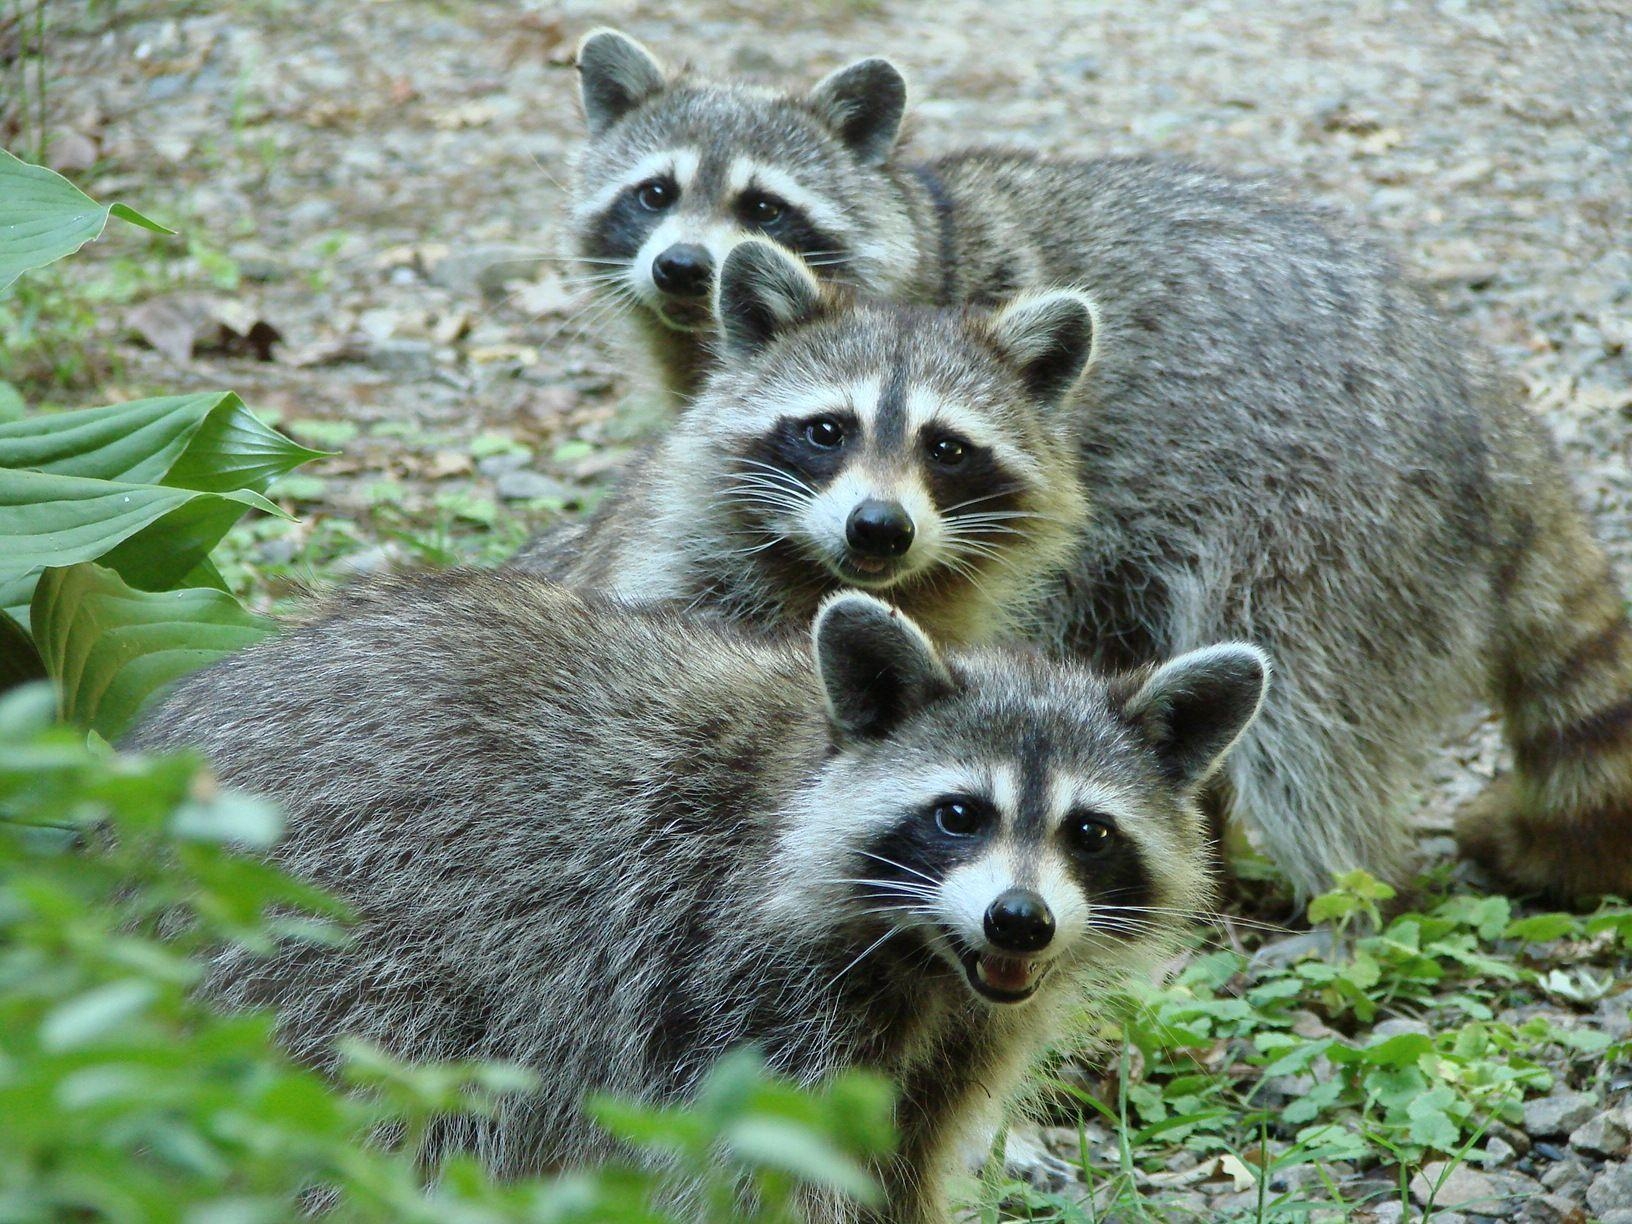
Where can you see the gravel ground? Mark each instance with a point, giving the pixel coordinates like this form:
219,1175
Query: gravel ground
387,178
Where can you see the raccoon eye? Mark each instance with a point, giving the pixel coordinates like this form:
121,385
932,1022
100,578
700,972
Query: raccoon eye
959,817
824,432
1092,834
763,209
946,451
656,195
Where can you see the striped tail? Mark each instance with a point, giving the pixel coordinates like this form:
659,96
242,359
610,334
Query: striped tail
1561,822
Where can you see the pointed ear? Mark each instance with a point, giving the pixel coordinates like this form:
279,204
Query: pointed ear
1194,708
863,104
763,290
615,75
876,667
1049,337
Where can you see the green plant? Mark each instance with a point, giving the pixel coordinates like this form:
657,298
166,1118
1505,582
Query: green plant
123,1097
110,514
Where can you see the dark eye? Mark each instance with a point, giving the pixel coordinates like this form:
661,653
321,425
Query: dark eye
1093,834
656,195
763,209
959,817
824,432
948,452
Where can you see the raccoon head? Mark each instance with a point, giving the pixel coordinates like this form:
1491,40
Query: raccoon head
1023,820
903,450
677,171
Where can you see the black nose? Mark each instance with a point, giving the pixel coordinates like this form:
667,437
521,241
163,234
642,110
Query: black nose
683,270
1019,921
879,529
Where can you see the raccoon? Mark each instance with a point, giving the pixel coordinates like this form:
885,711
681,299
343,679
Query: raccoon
1403,550
609,844
1212,287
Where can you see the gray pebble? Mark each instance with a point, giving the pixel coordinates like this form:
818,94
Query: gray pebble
1560,1113
1605,1135
526,486
1611,1190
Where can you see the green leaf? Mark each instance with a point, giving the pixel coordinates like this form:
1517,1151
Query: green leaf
1541,928
95,1013
776,1143
44,217
110,648
1431,1125
151,534
208,441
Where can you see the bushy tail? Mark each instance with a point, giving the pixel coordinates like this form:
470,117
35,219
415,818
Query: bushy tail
1561,822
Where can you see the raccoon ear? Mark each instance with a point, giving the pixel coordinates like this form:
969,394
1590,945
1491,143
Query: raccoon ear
1194,708
615,75
1050,339
863,104
876,667
762,292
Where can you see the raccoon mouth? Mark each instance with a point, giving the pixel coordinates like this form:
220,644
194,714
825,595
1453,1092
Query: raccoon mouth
1003,979
868,571
684,318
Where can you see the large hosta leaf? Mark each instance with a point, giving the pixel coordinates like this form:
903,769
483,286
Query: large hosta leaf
44,217
152,535
207,441
110,647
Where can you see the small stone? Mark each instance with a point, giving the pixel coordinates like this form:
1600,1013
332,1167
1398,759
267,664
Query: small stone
1553,1209
1559,1114
1498,1151
1605,1135
483,269
403,356
1611,1190
494,466
527,486
1619,1215
1567,1178
1391,1212
1490,1194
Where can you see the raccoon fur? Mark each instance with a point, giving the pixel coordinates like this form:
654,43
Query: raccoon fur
1400,535
610,844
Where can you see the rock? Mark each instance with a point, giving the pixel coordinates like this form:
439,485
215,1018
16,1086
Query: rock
1490,1194
1553,1209
1605,1135
1611,1190
483,269
1617,1216
1498,1151
403,356
1567,1178
526,486
494,466
1390,1212
1560,1113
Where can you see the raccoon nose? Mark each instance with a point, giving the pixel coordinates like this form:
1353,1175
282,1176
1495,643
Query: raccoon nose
1019,921
879,529
683,270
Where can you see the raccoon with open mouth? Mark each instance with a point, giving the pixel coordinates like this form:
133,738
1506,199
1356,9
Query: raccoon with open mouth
610,844
1403,556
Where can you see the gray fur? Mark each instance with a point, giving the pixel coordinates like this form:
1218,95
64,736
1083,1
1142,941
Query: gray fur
1277,441
610,844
